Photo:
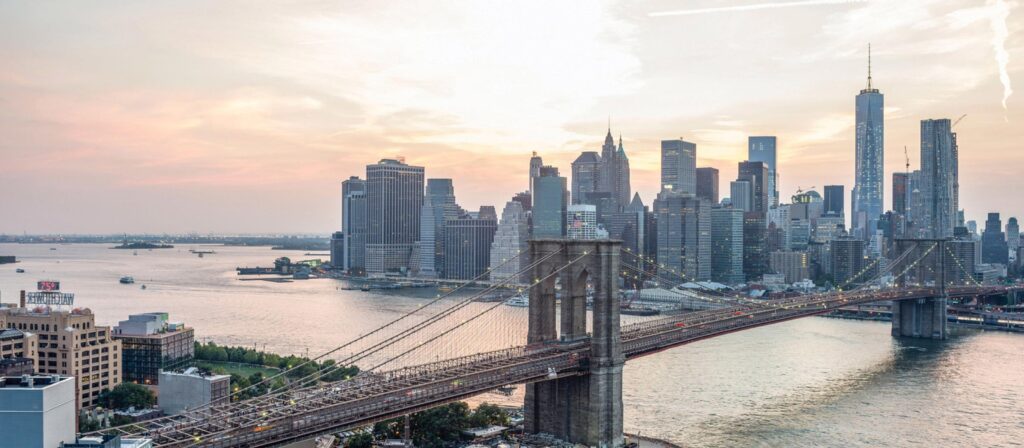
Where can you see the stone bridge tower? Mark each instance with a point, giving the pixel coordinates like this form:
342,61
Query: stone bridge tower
584,409
922,318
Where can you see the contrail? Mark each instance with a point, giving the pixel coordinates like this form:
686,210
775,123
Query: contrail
1001,11
754,7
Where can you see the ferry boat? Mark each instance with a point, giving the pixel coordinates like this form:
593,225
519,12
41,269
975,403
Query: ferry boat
519,301
127,280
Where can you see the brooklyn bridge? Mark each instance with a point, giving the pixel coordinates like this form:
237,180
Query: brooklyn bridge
572,369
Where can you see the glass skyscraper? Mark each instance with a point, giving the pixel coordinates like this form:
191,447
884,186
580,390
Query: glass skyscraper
679,166
868,189
763,149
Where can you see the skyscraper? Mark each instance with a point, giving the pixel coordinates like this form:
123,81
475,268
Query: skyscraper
1012,234
467,246
394,201
742,195
353,225
727,245
586,172
535,163
707,184
868,189
679,166
848,261
549,204
937,180
510,241
755,245
614,174
763,149
438,206
757,174
834,201
684,235
993,242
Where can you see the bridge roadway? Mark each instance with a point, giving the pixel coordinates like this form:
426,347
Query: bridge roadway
275,420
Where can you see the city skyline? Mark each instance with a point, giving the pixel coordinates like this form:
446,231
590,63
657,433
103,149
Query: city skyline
244,130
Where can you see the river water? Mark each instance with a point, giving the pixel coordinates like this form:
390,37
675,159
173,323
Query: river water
810,382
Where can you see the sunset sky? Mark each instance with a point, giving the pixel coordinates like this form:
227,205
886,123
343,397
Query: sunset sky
244,117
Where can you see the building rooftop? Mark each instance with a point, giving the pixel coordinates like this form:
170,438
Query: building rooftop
32,381
11,333
195,373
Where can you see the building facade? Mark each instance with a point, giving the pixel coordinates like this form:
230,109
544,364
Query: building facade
684,236
938,179
70,344
795,266
679,166
868,189
549,204
757,174
149,344
467,246
509,254
994,249
764,149
19,345
707,184
742,195
353,225
727,245
394,201
848,261
37,411
190,389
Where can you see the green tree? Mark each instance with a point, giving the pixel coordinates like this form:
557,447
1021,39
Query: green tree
361,440
127,395
434,427
488,415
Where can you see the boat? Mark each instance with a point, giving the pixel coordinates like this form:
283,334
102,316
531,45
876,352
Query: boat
127,280
20,271
519,301
53,248
364,288
143,286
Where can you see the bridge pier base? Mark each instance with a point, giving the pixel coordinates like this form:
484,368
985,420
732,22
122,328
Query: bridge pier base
584,409
922,318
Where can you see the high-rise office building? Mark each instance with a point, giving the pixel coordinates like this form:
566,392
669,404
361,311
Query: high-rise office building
394,202
763,149
353,224
467,246
757,174
834,201
755,245
742,195
901,200
614,175
707,184
549,204
630,227
993,242
679,166
848,261
586,171
1012,234
509,253
684,235
438,206
937,180
868,190
535,163
581,222
727,245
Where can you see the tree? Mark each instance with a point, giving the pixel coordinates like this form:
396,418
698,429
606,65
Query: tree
489,415
433,427
127,395
361,440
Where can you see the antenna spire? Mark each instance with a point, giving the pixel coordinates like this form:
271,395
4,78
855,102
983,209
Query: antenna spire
869,66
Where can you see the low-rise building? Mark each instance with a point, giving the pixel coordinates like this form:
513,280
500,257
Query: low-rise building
109,441
37,411
180,391
70,344
149,344
17,344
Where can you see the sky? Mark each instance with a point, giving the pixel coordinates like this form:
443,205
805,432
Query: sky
245,116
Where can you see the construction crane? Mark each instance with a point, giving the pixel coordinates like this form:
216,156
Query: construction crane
906,155
958,121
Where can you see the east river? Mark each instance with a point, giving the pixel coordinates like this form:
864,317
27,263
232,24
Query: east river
810,382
